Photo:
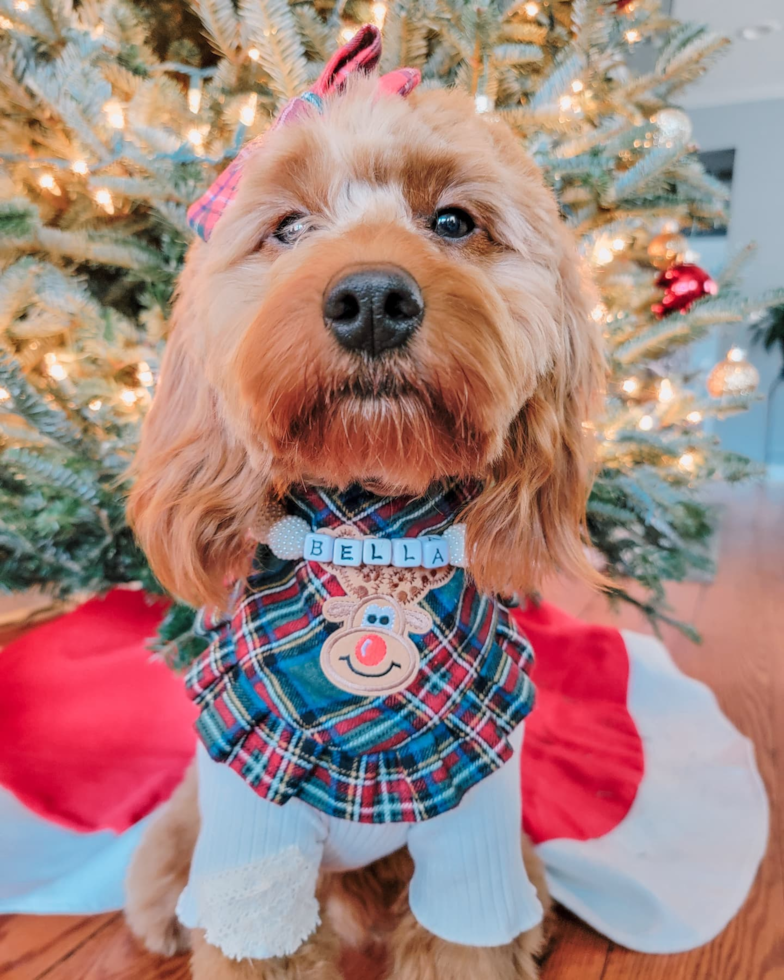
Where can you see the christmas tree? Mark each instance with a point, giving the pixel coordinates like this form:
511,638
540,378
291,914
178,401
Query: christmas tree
115,116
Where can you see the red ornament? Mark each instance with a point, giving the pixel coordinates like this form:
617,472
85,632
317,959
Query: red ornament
622,4
683,284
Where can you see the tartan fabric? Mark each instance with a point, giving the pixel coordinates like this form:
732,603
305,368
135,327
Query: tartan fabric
269,712
361,53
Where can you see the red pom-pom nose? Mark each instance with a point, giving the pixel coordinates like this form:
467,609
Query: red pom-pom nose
371,650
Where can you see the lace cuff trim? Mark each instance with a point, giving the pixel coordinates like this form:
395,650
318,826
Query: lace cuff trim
260,910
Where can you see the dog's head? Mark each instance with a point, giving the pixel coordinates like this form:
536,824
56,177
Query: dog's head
390,299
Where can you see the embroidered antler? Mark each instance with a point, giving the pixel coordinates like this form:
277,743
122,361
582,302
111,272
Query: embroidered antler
406,585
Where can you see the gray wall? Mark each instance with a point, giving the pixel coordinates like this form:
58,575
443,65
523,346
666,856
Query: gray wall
755,130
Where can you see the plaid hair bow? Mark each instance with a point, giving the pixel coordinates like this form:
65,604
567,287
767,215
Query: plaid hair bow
360,54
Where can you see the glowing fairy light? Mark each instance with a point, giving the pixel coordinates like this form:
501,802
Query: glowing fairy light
195,137
254,54
248,111
54,368
483,103
694,417
114,114
347,33
603,255
144,374
630,385
80,167
618,244
645,423
577,86
48,183
531,9
22,6
194,99
103,198
128,396
687,462
565,103
379,11
95,405
666,391
4,395
599,313
632,36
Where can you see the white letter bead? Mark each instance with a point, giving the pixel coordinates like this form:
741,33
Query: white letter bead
318,547
455,538
435,552
286,537
347,551
377,551
406,553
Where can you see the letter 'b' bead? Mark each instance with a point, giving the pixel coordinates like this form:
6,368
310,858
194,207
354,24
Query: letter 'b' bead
286,537
318,547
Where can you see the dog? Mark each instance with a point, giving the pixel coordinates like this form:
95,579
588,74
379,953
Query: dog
391,302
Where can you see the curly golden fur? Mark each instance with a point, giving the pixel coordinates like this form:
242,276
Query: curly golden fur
256,396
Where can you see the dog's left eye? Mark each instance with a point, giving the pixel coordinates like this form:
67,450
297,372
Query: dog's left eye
453,223
292,228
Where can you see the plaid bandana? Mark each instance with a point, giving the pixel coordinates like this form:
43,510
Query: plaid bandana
270,713
360,54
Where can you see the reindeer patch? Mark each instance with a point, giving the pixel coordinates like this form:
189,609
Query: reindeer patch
372,653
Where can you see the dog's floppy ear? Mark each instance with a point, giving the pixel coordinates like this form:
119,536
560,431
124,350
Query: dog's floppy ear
530,517
193,498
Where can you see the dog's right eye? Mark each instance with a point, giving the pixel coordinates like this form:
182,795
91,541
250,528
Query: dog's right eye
292,228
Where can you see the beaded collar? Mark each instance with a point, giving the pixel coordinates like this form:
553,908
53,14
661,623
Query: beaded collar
386,530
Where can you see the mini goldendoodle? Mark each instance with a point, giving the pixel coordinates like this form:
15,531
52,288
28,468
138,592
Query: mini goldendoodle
377,382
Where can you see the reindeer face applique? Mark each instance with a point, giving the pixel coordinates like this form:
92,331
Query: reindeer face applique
372,653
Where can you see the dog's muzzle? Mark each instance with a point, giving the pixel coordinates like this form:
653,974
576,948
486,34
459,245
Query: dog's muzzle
373,310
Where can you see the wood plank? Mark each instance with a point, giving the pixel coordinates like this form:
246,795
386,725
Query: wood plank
113,954
576,952
31,944
769,538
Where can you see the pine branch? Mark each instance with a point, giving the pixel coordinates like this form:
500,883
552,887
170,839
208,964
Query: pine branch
642,175
270,26
221,23
50,422
27,464
83,246
517,54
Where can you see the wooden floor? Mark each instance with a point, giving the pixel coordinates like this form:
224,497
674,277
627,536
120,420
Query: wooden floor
741,617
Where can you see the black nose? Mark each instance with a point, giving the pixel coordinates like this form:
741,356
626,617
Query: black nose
373,310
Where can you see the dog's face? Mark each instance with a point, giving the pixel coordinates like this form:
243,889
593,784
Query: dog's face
390,299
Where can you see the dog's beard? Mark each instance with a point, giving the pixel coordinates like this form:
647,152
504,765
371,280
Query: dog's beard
381,427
